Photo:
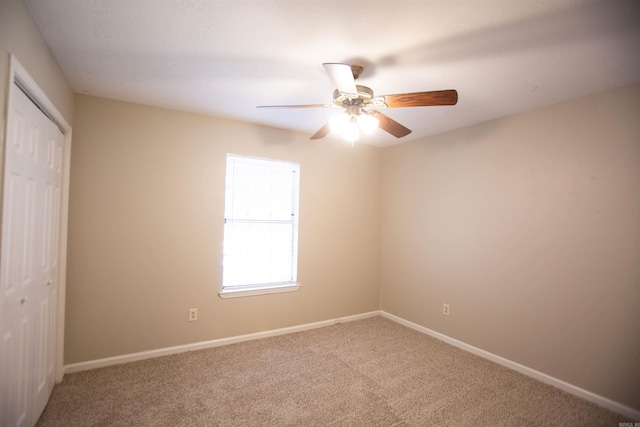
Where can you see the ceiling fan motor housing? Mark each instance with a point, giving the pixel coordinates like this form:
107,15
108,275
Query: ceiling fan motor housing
364,97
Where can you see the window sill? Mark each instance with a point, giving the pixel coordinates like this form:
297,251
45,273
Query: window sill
262,290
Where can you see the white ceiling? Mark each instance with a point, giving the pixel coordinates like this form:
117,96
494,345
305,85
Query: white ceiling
224,58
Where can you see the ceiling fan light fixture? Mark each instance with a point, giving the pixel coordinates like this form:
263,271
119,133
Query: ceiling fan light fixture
351,132
352,122
339,122
367,123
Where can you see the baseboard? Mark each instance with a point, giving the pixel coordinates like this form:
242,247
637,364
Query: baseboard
612,405
570,388
132,357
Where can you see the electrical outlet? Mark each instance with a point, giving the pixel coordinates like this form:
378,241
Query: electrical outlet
193,314
445,309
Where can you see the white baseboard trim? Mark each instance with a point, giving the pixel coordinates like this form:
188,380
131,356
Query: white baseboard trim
132,357
612,405
627,411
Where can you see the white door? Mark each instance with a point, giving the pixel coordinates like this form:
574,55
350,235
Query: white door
29,261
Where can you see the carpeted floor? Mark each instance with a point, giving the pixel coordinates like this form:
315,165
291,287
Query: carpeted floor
371,372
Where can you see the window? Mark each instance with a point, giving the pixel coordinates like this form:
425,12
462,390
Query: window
260,250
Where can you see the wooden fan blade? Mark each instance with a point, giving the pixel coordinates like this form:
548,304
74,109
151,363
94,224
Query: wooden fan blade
296,106
342,77
387,124
322,132
422,99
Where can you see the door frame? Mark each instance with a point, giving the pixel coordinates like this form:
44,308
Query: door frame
19,75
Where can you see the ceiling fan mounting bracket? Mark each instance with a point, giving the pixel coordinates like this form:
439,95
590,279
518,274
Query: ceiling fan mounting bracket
356,70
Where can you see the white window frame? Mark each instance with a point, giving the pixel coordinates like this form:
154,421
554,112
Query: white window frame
232,217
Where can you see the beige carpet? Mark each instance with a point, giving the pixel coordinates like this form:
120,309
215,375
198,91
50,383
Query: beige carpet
371,372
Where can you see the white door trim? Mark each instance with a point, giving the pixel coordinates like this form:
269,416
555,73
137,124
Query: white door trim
19,75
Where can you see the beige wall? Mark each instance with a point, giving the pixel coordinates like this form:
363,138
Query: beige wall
529,227
146,226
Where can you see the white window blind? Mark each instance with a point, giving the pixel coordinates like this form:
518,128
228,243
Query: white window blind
260,223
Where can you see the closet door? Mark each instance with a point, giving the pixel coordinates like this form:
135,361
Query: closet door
48,169
29,261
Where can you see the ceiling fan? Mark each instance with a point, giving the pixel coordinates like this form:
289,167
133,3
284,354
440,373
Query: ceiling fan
359,105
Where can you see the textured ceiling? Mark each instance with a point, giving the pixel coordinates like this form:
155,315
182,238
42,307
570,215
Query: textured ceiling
224,58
